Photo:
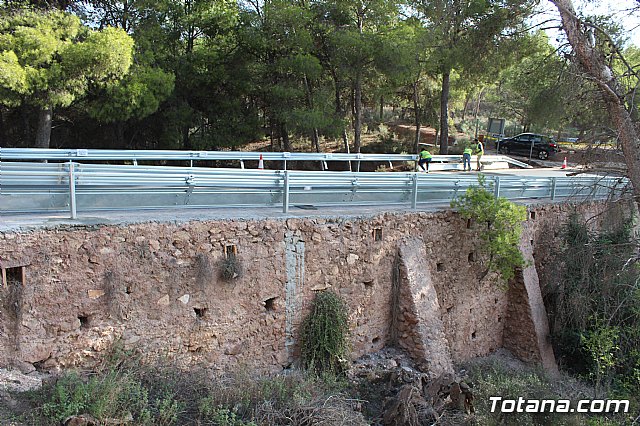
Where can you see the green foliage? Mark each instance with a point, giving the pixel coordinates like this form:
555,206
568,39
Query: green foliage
109,395
494,379
136,96
595,306
52,57
220,416
130,392
219,73
500,223
324,334
535,88
601,343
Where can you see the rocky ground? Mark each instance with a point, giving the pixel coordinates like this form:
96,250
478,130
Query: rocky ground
397,391
13,382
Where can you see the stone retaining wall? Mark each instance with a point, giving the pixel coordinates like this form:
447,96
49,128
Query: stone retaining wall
159,287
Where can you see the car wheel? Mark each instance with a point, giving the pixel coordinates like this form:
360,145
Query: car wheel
504,150
543,155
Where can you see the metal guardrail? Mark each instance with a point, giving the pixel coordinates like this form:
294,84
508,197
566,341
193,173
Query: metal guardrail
73,187
135,156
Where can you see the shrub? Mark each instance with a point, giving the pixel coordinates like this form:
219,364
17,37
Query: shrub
503,228
110,395
132,393
324,334
595,306
495,379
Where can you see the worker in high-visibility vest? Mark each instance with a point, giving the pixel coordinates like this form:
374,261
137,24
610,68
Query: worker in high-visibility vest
480,152
424,158
466,158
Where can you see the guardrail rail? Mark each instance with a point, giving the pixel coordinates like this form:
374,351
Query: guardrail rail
73,187
439,162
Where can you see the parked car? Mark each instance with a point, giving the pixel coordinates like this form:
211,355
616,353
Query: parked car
538,145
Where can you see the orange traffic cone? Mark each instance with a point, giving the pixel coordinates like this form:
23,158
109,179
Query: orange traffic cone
564,163
261,163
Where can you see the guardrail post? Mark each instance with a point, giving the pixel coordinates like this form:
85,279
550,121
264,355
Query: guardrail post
72,190
414,199
496,186
285,195
553,188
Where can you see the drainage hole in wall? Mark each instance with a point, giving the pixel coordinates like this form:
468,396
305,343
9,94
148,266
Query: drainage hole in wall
468,223
368,284
496,300
472,257
532,215
270,304
531,242
200,312
230,250
84,321
449,309
439,267
499,319
375,340
128,290
377,234
14,275
473,335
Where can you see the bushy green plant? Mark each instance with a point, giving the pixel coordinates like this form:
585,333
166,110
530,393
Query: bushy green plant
601,343
595,307
146,395
501,226
220,416
111,395
324,334
494,379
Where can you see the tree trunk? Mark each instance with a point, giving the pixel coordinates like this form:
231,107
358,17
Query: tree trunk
286,142
381,108
339,111
358,95
271,136
186,140
357,105
43,133
315,139
593,64
26,125
444,113
315,144
477,109
3,130
416,109
120,140
467,99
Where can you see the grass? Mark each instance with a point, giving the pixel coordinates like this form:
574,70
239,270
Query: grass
495,378
130,392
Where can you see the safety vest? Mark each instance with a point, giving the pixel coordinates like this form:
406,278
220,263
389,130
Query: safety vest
467,151
480,148
425,154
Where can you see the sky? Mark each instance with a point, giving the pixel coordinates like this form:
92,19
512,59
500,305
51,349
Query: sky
618,8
